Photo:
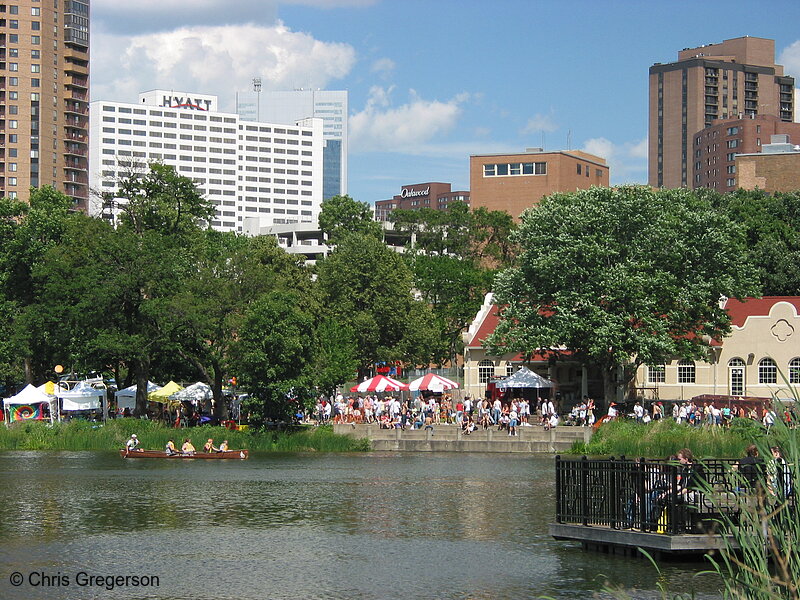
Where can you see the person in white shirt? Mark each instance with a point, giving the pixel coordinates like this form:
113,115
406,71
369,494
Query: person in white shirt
132,444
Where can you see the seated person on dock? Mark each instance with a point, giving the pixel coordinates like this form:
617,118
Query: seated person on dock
170,448
690,477
223,447
132,444
187,447
209,446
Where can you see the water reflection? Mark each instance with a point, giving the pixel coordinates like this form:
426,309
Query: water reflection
364,526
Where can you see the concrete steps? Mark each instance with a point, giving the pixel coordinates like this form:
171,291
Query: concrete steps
449,438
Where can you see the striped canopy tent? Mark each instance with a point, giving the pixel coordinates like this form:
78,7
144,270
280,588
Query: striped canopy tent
379,383
432,383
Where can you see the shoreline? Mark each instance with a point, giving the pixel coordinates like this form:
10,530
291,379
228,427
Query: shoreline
79,436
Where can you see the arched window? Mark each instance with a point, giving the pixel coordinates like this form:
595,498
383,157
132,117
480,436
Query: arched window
686,371
767,371
794,370
736,371
656,373
485,371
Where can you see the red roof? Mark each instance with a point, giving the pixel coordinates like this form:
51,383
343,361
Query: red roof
739,310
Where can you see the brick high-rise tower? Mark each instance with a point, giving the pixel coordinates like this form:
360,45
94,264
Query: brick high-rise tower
44,97
737,78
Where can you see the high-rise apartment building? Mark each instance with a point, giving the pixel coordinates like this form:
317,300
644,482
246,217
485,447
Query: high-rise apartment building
515,182
734,79
44,98
291,106
263,172
716,148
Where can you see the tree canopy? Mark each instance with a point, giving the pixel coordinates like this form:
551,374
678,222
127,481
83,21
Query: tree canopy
620,277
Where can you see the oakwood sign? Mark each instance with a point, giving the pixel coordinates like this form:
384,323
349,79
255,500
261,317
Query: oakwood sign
406,193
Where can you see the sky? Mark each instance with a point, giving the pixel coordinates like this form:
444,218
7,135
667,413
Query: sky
433,81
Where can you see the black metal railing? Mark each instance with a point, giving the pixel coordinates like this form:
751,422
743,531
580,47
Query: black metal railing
648,495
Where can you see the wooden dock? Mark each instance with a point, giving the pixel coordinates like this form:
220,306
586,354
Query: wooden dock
627,542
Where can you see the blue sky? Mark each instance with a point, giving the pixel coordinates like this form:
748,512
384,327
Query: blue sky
434,81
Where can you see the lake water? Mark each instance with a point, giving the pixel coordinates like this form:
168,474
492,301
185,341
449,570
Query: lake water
306,526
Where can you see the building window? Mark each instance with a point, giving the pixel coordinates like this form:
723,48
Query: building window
767,371
36,40
516,169
686,371
485,371
794,370
579,168
656,374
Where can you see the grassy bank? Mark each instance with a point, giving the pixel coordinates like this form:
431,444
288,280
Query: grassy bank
81,435
662,438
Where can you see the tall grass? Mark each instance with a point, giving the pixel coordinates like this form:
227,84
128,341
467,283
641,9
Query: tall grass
83,435
659,439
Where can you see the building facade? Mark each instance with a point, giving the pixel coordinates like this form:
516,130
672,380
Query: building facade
265,171
733,79
44,98
761,350
717,147
434,195
515,182
292,106
759,358
775,169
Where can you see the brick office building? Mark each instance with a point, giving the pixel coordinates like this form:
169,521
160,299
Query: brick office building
514,182
775,169
435,195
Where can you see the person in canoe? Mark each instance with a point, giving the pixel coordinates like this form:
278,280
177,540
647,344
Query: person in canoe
209,446
223,447
132,444
170,448
187,447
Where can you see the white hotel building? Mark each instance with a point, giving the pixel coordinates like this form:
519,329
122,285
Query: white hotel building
251,171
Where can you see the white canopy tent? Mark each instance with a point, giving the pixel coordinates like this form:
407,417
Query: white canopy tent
199,394
127,398
29,396
82,397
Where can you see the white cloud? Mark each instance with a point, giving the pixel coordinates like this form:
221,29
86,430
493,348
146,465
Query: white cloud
383,66
790,59
218,60
627,161
539,123
384,127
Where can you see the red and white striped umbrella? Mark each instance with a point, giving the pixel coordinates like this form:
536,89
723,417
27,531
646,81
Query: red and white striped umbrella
379,383
433,383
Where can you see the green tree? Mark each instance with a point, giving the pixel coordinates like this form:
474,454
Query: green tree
27,233
341,215
772,227
621,277
231,273
453,255
273,354
366,287
116,286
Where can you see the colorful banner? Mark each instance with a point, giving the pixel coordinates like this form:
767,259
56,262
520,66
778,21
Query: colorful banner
26,412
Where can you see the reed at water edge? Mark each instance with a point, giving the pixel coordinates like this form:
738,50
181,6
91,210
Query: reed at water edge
662,438
85,435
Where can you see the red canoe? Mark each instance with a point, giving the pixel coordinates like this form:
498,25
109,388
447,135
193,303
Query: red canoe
241,454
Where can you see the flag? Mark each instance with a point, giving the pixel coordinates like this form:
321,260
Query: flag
26,412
